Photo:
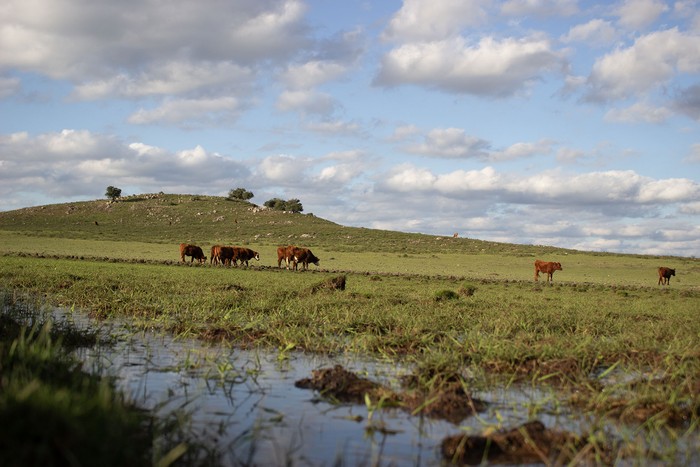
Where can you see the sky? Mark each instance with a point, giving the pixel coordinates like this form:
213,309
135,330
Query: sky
567,123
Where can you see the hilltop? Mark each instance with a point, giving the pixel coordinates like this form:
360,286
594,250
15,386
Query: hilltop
175,218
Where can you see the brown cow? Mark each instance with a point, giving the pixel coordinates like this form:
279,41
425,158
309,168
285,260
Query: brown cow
227,255
243,255
215,255
665,275
548,268
304,256
284,253
193,251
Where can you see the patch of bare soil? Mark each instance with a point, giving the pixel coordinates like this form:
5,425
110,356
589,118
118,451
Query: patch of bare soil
448,402
345,386
528,443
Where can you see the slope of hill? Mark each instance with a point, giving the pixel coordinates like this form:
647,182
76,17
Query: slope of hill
173,218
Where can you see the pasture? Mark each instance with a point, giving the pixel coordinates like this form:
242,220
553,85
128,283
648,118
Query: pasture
438,304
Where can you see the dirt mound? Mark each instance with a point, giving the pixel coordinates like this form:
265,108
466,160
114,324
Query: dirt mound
448,402
342,385
528,443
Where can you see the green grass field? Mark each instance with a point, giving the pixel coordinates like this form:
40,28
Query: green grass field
441,303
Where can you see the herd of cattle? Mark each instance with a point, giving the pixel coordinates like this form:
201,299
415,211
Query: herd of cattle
231,255
290,254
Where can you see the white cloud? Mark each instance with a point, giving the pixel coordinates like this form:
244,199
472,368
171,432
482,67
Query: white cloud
636,14
493,67
522,150
650,62
74,164
595,32
69,40
639,112
181,110
312,73
168,78
283,169
335,127
450,143
540,7
307,101
419,20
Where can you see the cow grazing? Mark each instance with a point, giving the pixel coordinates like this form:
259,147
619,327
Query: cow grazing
665,275
546,267
193,251
304,256
244,255
215,254
284,253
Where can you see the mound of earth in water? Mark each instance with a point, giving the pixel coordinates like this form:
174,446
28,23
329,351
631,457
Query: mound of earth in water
528,443
449,402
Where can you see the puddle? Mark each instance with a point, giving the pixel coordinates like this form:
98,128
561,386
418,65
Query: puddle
247,404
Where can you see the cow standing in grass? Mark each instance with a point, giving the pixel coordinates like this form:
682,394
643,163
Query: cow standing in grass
665,275
215,255
304,256
285,253
244,255
193,251
546,267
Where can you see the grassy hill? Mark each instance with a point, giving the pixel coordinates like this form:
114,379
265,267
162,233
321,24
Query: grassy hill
149,227
172,218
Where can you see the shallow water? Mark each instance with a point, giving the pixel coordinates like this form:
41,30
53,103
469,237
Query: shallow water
245,402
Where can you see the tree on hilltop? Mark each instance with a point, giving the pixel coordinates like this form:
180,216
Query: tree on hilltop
293,205
240,193
113,193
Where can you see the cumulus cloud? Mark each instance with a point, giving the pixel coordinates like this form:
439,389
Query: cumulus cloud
418,20
190,53
492,67
192,110
450,143
73,42
283,169
639,112
455,143
636,14
588,191
540,7
650,62
160,79
306,101
595,32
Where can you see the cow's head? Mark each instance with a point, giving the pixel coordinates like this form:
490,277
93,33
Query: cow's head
557,267
256,256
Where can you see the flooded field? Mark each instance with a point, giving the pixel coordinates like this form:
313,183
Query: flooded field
246,405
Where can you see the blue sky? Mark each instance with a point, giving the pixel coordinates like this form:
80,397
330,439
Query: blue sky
556,122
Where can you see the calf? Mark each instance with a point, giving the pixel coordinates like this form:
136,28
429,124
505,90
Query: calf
193,251
665,275
546,267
